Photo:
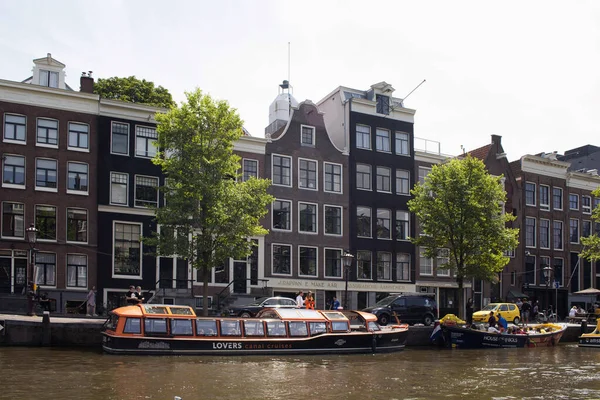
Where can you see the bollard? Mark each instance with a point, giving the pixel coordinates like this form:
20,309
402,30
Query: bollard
583,326
46,334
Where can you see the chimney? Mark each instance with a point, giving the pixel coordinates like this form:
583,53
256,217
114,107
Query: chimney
496,139
86,82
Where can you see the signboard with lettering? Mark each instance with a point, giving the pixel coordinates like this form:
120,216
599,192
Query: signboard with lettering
284,283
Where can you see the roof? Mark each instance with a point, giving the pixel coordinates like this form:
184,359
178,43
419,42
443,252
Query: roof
481,153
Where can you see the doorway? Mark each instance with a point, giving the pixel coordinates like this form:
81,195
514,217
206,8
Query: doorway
240,276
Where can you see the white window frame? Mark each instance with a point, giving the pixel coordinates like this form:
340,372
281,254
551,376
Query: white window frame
443,255
534,194
358,277
562,234
147,139
87,220
370,188
87,273
391,266
55,270
544,206
389,140
535,228
316,163
135,199
37,126
316,261
423,172
314,136
423,265
550,226
578,230
291,216
390,220
39,236
406,223
341,251
13,141
325,164
402,140
273,258
244,168
341,220
583,223
118,276
389,170
110,199
398,275
316,232
401,179
370,221
43,188
576,196
291,169
89,137
75,191
112,124
562,278
362,133
14,185
2,221
561,198
586,209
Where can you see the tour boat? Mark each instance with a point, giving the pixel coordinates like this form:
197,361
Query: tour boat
537,335
176,330
591,339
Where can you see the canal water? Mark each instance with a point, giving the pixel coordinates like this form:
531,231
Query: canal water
562,372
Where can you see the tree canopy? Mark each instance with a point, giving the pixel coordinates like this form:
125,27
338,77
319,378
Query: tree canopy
133,90
209,215
459,207
591,244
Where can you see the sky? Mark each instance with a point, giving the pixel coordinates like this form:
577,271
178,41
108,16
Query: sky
528,71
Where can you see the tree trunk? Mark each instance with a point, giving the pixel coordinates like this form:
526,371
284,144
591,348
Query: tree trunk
205,275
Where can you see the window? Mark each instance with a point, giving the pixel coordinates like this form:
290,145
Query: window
544,198
307,178
544,233
307,217
443,258
586,228
119,138
382,140
573,201
47,132
530,194
118,188
423,172
45,264
13,170
333,220
14,128
77,177
402,225
402,267
78,136
384,179
282,173
146,191
282,255
298,328
363,222
127,249
383,104
363,176
363,137
282,215
530,232
558,271
48,78
254,328
76,270
333,263
76,225
402,144
402,182
250,169
425,263
45,174
333,177
307,136
557,198
182,327
384,224
133,325
586,204
574,230
363,264
557,233
308,261
145,141
384,266
45,222
13,220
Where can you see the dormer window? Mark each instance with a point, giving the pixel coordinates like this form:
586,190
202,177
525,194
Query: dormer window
383,104
308,136
48,78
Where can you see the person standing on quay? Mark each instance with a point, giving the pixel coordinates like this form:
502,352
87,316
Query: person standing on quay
300,299
525,310
335,304
469,311
310,301
91,302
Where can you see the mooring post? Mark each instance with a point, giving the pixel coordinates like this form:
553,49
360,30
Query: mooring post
46,335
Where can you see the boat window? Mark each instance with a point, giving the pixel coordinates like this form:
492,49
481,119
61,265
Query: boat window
111,323
181,327
181,311
276,328
374,327
206,327
155,309
230,328
254,328
298,328
339,326
155,325
316,328
133,325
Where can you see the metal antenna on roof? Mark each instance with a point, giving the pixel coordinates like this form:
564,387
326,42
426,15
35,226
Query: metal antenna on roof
289,55
413,90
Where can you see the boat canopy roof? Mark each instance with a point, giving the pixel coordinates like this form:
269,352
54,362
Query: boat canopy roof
139,310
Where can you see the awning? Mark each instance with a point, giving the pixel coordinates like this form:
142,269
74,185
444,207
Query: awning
515,294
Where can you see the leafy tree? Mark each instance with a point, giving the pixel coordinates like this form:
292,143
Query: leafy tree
208,215
133,90
459,207
591,244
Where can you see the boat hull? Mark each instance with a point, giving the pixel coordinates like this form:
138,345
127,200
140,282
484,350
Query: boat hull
589,340
465,338
328,343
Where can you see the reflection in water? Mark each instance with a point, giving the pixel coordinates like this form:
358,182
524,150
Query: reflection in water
564,372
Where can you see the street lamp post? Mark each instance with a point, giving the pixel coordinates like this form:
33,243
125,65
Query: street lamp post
547,271
347,258
31,240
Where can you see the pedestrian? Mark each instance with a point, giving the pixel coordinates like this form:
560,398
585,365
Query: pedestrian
131,296
91,302
300,299
310,301
139,294
492,320
535,311
519,303
525,310
335,304
469,311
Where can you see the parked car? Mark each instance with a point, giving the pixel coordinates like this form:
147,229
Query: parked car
509,311
410,308
250,310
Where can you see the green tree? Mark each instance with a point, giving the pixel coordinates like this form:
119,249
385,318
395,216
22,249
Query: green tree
459,207
133,90
208,215
591,244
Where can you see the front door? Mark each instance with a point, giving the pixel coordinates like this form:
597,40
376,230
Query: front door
5,275
240,276
20,274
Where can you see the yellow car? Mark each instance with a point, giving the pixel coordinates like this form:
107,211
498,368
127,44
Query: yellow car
509,311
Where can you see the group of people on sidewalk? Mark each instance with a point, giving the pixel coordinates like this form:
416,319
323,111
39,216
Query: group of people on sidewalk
135,296
308,301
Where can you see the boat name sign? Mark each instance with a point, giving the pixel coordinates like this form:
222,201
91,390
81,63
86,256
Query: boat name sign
244,346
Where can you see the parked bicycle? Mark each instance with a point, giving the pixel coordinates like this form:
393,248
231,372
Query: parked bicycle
546,316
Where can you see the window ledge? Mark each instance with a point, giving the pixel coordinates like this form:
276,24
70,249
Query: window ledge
12,141
75,242
48,146
45,189
13,186
79,149
78,192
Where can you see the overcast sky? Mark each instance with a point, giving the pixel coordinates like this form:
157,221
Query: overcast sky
528,71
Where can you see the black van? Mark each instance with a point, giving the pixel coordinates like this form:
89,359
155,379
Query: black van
410,308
